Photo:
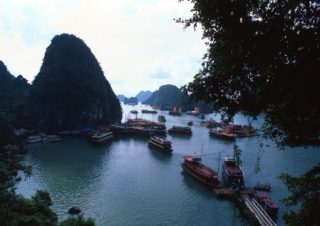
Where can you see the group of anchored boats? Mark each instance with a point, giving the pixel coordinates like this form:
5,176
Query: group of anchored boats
232,181
232,176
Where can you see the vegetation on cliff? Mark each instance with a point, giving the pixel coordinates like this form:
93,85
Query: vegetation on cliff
70,90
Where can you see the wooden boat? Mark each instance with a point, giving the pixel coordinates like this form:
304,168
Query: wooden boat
161,118
221,134
267,204
160,144
34,139
204,174
101,137
180,130
232,174
149,111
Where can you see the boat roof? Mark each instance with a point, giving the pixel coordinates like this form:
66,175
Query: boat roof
228,159
192,158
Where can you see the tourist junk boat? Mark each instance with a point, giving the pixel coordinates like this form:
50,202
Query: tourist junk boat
194,167
180,130
232,175
101,137
160,144
221,134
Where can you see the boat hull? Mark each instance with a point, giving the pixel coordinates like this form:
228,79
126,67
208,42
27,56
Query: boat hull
102,139
198,178
160,147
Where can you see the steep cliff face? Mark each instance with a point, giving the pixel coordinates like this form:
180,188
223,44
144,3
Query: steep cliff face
70,91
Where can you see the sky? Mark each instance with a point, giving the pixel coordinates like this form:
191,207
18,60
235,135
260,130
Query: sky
136,42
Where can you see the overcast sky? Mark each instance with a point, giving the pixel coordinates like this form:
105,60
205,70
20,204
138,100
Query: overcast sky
137,43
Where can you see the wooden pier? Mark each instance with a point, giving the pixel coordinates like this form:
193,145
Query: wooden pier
260,214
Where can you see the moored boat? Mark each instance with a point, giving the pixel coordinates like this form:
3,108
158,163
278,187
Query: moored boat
180,130
221,134
204,174
232,174
190,123
160,144
134,112
101,137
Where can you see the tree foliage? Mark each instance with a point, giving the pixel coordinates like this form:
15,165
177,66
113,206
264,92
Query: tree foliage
70,91
262,57
305,193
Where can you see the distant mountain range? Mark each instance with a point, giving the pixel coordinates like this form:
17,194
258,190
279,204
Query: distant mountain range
121,97
167,97
141,96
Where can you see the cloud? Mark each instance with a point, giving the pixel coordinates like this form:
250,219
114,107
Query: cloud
137,43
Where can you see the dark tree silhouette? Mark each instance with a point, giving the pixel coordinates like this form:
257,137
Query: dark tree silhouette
262,57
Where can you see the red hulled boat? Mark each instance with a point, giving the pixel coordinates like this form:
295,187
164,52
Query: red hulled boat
194,167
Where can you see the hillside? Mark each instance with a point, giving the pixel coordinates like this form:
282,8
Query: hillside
70,91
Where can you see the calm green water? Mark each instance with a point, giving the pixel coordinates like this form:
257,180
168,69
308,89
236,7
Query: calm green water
126,183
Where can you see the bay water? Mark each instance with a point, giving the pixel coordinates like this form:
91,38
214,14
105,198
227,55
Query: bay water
125,182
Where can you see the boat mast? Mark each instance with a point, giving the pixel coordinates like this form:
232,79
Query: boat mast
219,162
